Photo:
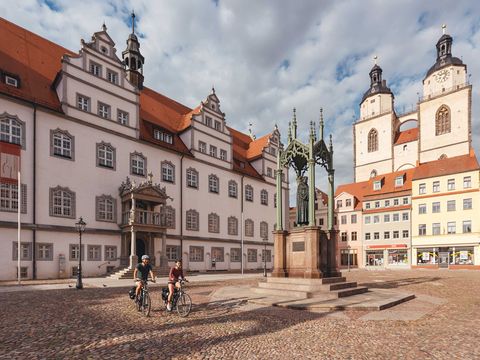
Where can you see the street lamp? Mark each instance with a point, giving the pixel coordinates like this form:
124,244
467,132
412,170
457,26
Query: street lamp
265,240
348,257
80,226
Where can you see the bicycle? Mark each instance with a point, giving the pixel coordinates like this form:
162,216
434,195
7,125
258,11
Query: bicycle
181,301
143,302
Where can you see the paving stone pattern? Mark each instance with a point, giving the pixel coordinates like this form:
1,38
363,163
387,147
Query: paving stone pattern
441,323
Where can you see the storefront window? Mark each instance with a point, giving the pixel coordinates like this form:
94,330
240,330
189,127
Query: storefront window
397,257
427,256
344,253
461,255
374,258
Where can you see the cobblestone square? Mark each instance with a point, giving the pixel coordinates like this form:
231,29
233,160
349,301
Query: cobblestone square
441,323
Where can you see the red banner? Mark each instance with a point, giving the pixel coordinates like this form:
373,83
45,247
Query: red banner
9,162
391,246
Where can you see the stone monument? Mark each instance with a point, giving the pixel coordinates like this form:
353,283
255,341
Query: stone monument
308,250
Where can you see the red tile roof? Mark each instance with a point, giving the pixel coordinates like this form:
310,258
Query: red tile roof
37,61
388,184
453,165
406,136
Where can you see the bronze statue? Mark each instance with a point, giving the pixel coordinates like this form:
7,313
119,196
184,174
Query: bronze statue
302,201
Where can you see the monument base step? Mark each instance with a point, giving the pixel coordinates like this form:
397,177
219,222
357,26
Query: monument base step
303,281
306,287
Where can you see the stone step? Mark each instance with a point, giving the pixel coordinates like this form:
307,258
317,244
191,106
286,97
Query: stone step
350,292
127,273
306,288
282,293
322,281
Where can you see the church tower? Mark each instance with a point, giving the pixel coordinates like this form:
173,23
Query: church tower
444,110
373,131
133,59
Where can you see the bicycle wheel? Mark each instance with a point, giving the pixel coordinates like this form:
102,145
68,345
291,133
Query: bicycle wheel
184,305
146,304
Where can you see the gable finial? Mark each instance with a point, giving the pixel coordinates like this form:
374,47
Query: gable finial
331,143
289,137
294,123
104,27
444,28
375,58
213,89
321,124
133,22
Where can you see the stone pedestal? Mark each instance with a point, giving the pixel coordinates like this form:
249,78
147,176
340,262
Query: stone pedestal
133,261
312,252
279,259
332,268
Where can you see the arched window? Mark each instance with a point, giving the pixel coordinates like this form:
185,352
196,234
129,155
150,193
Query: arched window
62,144
372,140
192,220
138,164
168,171
213,184
62,202
213,223
264,197
249,227
105,155
106,208
442,120
11,130
170,217
192,178
232,188
264,230
248,193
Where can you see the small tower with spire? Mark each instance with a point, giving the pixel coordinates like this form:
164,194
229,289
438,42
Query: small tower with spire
133,59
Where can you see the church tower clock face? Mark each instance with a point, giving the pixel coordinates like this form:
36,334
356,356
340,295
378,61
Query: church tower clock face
442,75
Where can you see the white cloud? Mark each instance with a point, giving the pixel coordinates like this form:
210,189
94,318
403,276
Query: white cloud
241,47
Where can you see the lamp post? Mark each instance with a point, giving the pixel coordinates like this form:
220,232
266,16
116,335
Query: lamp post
348,258
265,240
80,226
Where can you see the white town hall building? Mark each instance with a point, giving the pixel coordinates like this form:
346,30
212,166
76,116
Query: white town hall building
146,173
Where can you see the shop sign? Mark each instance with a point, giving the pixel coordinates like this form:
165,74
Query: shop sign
463,255
426,256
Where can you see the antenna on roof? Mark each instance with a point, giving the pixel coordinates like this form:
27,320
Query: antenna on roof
444,28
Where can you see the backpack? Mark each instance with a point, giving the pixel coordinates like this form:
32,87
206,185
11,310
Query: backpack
131,292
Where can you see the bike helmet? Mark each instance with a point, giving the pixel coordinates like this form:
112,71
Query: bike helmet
145,257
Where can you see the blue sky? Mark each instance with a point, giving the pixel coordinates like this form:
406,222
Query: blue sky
266,57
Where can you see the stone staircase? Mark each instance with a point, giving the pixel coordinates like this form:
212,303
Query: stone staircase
127,273
298,288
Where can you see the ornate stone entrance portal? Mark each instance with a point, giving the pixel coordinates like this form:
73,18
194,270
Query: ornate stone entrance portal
307,251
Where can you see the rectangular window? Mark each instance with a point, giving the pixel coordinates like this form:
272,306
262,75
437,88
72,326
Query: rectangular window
386,218
395,202
339,203
83,103
110,253
95,69
377,204
105,208
223,155
386,235
252,255
451,227
213,151
348,202
367,236
353,218
467,204
396,217
9,198
104,110
376,235
23,271
25,251
74,253
467,182
422,208
367,219
173,252
436,229
405,216
405,201
451,205
422,229
422,188
436,186
235,255
405,234
266,255
44,252
451,184
218,125
202,147
11,81
399,181
112,76
354,236
467,226
396,234
122,117
94,253
367,206
377,185
321,219
387,203
436,207
343,219
376,219
344,236
208,121
196,254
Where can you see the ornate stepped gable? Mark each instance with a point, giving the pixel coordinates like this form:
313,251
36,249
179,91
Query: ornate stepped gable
36,62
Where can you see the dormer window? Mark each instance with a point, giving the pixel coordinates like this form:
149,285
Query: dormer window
399,181
377,185
163,136
9,80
